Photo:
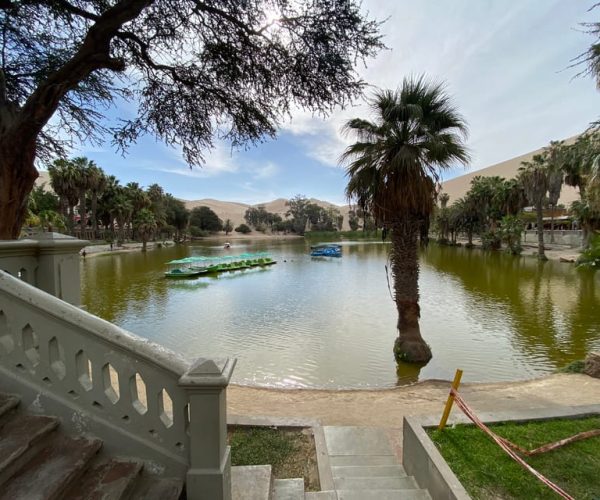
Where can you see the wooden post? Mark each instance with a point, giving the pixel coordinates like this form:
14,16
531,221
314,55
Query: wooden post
450,401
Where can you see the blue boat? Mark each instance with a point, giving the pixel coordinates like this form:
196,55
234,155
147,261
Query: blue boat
326,250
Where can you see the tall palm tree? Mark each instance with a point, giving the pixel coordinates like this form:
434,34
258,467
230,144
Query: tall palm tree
97,184
145,226
64,178
393,169
533,176
82,166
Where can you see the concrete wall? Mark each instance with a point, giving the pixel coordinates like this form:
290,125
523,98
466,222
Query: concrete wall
571,238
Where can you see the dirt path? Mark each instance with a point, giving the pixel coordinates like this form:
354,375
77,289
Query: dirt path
386,408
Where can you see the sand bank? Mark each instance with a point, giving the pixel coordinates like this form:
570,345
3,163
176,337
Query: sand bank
387,407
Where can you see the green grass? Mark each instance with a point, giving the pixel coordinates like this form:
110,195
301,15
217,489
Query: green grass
487,472
260,446
342,235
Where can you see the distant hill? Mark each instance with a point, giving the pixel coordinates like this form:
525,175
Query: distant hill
231,209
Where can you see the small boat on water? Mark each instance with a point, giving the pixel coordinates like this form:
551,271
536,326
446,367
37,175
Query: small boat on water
190,267
184,272
326,250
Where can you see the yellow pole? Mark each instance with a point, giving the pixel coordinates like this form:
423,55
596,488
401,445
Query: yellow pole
450,401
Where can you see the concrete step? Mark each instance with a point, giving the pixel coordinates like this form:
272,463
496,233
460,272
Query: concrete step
368,471
57,464
375,483
153,488
107,480
288,489
382,495
320,495
357,441
342,460
251,482
19,435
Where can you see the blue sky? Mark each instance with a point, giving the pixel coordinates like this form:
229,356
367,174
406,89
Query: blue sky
505,63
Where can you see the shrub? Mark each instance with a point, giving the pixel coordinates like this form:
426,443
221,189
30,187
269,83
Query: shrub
590,257
243,228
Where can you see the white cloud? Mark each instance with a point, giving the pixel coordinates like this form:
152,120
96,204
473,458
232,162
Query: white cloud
501,62
266,171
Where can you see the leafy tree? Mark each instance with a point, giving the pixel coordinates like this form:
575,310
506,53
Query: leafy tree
393,169
176,215
243,228
511,229
145,226
227,226
298,211
353,220
205,219
194,67
63,179
533,176
41,200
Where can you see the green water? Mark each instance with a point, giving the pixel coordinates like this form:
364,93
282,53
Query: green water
325,322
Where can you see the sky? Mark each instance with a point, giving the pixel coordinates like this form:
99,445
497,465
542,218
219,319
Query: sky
506,64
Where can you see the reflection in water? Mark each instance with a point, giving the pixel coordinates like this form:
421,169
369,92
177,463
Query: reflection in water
309,322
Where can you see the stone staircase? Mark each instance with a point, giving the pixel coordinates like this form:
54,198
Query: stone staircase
38,461
363,467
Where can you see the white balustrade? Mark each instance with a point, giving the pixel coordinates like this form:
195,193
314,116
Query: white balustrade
141,399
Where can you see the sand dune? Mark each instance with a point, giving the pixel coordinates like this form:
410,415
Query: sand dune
458,187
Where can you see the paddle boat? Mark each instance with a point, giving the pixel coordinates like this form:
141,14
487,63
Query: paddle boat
326,250
217,264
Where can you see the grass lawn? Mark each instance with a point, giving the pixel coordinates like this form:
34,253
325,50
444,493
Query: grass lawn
290,452
487,472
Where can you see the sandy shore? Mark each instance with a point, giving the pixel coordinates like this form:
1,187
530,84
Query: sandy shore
387,407
95,250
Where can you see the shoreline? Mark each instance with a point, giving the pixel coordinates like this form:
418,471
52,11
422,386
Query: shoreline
386,407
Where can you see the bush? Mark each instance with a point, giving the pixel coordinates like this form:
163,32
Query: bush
590,257
196,232
243,228
490,241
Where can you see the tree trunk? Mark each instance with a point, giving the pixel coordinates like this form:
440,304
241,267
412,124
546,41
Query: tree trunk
552,224
94,212
82,213
540,231
409,346
17,177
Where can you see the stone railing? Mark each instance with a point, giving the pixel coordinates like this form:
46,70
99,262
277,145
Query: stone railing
49,261
139,398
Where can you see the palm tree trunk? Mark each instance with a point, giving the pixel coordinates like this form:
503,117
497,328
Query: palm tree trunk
94,211
409,346
552,224
540,231
82,213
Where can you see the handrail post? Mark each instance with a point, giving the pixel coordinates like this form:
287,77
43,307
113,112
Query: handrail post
209,475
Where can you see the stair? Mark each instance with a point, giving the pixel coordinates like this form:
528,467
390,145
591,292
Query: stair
38,461
364,466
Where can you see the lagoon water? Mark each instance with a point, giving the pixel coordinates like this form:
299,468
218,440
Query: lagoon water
331,323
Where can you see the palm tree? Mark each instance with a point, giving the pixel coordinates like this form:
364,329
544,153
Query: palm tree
145,226
97,184
82,166
63,179
533,176
393,169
